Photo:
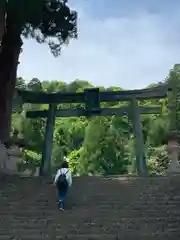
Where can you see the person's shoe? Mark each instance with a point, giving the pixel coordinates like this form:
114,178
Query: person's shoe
61,205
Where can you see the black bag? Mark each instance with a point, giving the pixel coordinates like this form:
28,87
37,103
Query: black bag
62,181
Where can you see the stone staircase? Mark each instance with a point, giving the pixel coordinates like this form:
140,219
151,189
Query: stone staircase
97,208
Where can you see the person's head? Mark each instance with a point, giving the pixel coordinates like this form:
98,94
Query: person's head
65,164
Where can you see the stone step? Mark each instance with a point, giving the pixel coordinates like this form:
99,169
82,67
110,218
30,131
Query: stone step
111,205
74,212
130,236
104,228
88,224
34,221
136,208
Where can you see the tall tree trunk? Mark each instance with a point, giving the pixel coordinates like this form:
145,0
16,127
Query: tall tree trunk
2,22
9,55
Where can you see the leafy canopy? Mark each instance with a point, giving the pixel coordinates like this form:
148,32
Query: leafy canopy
50,21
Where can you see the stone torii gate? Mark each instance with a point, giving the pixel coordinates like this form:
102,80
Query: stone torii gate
92,98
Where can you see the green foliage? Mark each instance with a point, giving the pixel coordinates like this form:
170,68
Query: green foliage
158,131
74,161
98,145
50,21
158,159
103,149
30,161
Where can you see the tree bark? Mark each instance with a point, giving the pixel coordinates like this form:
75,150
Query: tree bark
9,55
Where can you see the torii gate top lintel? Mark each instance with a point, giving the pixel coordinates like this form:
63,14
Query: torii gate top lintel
104,96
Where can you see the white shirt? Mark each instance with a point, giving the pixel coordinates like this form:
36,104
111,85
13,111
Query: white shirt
65,171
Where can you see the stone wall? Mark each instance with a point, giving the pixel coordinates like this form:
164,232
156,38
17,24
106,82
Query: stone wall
9,158
9,161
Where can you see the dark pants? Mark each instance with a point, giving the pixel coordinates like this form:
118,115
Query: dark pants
62,192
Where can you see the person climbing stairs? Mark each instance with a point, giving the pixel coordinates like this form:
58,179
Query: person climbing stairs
97,208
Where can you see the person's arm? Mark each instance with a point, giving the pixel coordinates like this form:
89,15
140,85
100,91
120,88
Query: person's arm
56,177
69,178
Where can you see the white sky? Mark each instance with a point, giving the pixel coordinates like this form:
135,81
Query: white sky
128,50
